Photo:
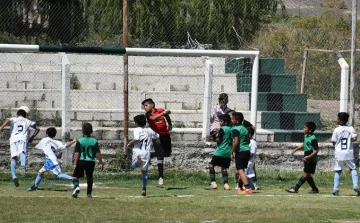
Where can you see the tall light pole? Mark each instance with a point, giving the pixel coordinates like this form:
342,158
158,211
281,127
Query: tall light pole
353,58
126,81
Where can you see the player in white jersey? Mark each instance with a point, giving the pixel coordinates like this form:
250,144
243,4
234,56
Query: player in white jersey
250,170
51,149
343,138
142,142
19,132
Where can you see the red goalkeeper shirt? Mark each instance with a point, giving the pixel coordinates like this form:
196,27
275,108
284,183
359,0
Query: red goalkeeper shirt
159,126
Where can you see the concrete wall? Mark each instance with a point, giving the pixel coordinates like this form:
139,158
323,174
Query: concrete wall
193,155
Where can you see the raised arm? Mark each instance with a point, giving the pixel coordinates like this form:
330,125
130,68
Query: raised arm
37,130
7,121
297,149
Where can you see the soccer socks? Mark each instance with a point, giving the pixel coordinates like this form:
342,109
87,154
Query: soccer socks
13,168
144,180
212,174
75,183
63,176
160,163
311,182
89,186
337,180
225,176
300,182
23,159
38,180
354,177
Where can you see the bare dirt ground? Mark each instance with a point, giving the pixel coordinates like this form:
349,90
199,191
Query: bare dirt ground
328,111
312,7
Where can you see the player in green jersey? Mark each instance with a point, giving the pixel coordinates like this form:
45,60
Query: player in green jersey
86,152
311,149
240,150
221,157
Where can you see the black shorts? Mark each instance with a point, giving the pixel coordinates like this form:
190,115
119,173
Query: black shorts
309,167
220,161
242,160
84,166
164,149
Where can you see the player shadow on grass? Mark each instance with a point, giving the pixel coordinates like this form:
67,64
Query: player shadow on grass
54,189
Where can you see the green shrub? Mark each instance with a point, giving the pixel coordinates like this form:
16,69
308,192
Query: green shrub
74,82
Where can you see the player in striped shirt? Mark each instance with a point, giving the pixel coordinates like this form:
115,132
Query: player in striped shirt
343,138
19,132
51,149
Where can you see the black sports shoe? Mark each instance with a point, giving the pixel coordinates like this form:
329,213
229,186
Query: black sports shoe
89,196
314,192
291,190
16,182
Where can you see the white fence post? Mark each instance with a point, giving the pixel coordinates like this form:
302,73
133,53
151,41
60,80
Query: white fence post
207,97
344,84
254,90
65,104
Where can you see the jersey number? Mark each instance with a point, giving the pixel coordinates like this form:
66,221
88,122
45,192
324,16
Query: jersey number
344,142
20,128
88,151
144,143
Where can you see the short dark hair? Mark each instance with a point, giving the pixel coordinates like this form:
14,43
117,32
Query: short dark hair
238,116
140,120
87,129
343,117
148,100
251,131
21,113
225,118
51,132
223,96
311,126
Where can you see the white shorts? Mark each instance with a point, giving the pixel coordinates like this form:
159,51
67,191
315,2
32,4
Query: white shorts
340,165
16,148
142,158
55,170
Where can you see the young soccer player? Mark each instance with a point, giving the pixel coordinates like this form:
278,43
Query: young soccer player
222,154
311,149
51,149
19,132
142,142
250,171
219,109
240,150
343,138
156,118
86,151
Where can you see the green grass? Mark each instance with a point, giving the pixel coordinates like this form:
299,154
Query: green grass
182,199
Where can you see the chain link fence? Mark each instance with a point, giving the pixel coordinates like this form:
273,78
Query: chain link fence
280,30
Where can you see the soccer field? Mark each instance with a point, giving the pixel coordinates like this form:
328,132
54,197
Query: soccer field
182,199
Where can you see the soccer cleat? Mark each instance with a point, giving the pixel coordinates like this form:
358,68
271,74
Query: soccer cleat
16,182
291,190
89,196
335,192
226,187
357,192
313,192
143,193
22,171
161,181
246,191
212,186
236,186
76,192
32,188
